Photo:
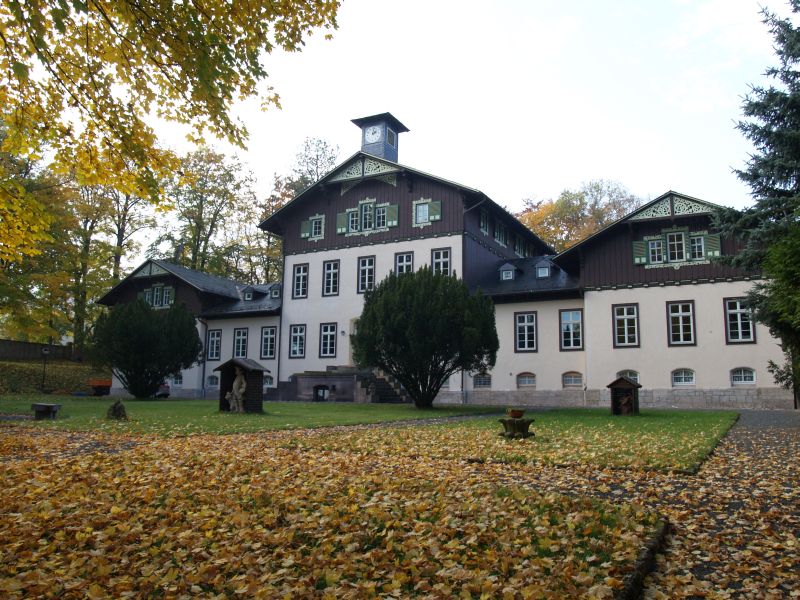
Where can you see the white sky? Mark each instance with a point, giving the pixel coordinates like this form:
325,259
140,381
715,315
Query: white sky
522,99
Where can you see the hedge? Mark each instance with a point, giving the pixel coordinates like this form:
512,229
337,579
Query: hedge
18,377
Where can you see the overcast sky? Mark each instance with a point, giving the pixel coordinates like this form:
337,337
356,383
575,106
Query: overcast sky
522,99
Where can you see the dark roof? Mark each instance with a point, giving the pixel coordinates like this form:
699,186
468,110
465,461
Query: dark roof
388,117
525,282
269,223
203,281
247,364
261,303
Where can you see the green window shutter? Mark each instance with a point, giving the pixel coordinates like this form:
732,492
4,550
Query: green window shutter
341,222
713,245
305,229
391,215
435,210
639,253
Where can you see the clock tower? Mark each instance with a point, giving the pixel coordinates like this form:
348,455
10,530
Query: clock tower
379,135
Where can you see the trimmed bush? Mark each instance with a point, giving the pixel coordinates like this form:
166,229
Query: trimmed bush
19,377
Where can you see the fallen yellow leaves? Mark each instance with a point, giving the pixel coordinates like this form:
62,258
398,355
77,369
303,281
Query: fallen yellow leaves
241,516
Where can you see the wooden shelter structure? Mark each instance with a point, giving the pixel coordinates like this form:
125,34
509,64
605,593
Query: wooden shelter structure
254,376
624,396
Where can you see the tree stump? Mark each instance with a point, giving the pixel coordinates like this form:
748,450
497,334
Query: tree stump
516,428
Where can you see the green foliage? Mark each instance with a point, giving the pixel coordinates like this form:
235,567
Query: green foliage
770,227
421,328
143,345
18,377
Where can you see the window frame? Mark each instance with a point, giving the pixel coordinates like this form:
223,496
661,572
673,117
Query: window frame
212,385
417,207
658,247
742,369
302,337
236,332
561,345
682,384
693,316
526,386
482,377
726,312
692,239
623,371
441,260
635,317
317,221
218,345
535,326
295,269
501,234
682,246
322,335
335,273
483,222
269,329
382,212
397,256
571,386
366,209
545,269
359,268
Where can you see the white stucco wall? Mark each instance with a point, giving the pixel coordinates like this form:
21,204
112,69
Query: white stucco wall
346,307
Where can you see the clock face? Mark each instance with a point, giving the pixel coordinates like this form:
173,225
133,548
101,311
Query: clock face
372,134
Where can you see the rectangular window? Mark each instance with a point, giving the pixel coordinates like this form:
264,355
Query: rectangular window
366,273
519,246
626,325
484,221
330,278
525,332
352,220
482,381
148,297
297,341
214,345
697,247
300,281
571,329
676,248
738,322
157,292
500,233
327,340
681,323
240,343
367,216
404,262
440,261
168,297
542,272
380,217
655,249
268,337
316,228
421,213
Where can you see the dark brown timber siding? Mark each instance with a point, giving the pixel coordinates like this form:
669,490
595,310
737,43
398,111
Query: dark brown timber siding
608,260
329,203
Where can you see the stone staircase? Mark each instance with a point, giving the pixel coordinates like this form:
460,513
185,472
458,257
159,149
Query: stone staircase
387,390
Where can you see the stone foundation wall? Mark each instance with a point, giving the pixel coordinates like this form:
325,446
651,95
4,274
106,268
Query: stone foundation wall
774,398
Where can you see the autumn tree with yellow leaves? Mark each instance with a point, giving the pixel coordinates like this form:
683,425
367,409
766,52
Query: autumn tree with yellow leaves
83,77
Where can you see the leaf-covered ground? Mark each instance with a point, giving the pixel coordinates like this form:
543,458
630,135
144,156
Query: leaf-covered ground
657,439
97,515
94,515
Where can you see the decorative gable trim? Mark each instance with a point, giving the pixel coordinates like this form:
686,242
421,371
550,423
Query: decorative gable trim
673,205
150,269
363,167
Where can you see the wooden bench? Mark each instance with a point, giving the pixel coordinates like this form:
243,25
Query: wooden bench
45,411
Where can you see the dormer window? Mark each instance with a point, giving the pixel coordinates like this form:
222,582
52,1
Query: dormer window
507,274
542,272
276,293
248,295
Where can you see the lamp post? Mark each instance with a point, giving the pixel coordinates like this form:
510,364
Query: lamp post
45,354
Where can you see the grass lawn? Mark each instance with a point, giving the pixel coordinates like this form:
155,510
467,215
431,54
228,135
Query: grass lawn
658,439
183,417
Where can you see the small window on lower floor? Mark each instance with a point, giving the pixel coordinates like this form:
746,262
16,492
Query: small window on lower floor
572,379
632,375
212,381
682,377
177,380
482,381
743,375
526,380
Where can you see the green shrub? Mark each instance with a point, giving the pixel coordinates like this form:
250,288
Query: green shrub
19,377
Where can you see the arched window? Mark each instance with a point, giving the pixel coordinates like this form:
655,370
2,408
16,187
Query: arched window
632,375
682,377
572,379
743,375
212,381
526,380
482,381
